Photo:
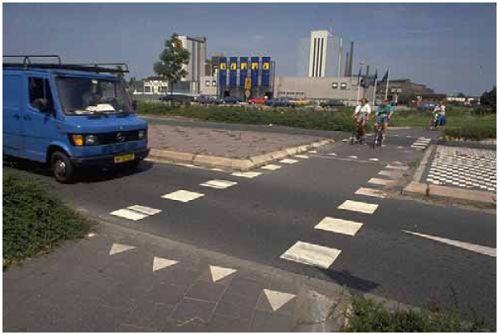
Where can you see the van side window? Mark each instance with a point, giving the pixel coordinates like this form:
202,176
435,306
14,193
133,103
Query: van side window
39,88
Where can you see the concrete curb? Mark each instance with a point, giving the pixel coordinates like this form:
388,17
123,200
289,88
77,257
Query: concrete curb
230,164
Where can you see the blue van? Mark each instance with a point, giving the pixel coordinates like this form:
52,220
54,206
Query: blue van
70,116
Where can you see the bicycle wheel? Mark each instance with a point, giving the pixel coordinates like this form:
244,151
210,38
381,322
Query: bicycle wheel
375,138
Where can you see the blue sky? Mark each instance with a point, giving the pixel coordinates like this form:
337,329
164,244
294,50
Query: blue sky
450,47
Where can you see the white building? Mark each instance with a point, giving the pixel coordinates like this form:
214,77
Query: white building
197,60
151,86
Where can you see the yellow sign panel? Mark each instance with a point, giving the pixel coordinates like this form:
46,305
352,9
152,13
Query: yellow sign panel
266,66
233,66
254,66
223,66
247,83
244,66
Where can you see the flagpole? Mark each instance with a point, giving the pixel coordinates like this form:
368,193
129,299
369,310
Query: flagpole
358,85
387,83
374,92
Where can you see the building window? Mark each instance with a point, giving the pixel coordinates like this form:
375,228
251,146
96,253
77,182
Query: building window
207,83
334,85
343,86
147,89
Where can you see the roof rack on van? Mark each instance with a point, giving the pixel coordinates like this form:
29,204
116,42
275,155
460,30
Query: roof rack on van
94,67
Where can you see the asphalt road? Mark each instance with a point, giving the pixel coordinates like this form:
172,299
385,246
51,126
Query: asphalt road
259,219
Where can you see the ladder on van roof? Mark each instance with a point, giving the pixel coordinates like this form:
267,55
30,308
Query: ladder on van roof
92,67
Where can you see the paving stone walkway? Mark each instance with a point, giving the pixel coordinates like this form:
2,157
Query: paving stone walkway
465,168
114,281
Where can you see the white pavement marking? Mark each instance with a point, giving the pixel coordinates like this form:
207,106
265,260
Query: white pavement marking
488,251
397,167
374,159
218,272
390,173
353,157
182,196
249,174
144,210
271,167
128,214
117,248
400,147
371,192
313,151
339,226
277,299
90,235
219,184
379,181
288,161
357,206
302,156
332,154
311,254
161,263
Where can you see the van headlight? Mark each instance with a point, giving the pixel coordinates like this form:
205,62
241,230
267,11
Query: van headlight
142,134
91,140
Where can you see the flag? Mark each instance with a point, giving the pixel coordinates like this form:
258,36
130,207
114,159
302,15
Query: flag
385,77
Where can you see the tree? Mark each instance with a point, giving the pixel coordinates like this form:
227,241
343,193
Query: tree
461,95
488,99
171,61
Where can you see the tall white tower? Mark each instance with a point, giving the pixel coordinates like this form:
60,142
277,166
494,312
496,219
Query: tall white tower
318,53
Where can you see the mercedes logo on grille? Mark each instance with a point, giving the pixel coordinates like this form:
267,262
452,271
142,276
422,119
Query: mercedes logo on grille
120,137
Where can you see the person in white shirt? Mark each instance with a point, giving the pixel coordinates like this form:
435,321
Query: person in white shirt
361,116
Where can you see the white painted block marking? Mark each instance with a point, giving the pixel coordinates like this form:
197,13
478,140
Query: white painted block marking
90,235
218,273
116,248
339,226
400,147
161,263
353,157
390,173
302,156
374,159
249,175
182,196
332,154
277,299
370,192
219,184
397,167
289,161
357,206
128,214
144,210
311,254
488,251
271,167
313,151
379,181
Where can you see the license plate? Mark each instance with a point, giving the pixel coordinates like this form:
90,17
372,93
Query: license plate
124,158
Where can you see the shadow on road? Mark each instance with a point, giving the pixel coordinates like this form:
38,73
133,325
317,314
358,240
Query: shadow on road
344,278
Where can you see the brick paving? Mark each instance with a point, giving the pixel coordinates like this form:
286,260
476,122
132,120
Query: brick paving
222,142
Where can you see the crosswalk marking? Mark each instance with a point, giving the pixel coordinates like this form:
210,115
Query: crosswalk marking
390,173
271,167
144,209
128,214
182,196
217,272
313,151
379,181
358,206
277,299
311,254
397,167
371,192
219,184
289,161
161,263
463,245
302,156
353,157
117,248
332,154
374,159
249,174
339,226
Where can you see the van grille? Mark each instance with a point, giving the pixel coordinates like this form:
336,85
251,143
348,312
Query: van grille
113,137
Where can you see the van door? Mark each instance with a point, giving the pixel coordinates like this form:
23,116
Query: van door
39,119
12,114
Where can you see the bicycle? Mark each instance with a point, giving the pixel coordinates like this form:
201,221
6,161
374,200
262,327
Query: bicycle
378,136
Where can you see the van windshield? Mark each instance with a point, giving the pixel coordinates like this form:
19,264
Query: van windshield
87,96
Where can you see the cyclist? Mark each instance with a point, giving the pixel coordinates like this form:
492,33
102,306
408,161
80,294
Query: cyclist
436,115
383,115
361,116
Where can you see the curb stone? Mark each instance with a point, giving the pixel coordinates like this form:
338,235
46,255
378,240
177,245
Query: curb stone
234,164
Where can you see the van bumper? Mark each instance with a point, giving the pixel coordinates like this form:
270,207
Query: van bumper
107,160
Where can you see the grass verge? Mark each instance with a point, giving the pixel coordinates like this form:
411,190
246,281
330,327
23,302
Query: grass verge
462,122
34,221
369,316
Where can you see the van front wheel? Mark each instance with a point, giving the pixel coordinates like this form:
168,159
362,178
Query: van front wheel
61,167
